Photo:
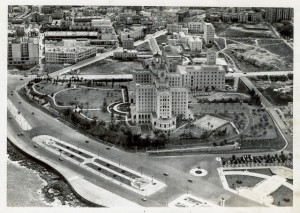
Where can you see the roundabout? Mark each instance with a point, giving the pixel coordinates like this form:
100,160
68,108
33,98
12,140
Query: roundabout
198,172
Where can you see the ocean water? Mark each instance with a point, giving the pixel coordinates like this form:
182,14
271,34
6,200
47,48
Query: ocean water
24,187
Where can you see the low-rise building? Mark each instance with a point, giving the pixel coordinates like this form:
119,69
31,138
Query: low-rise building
69,53
126,54
135,33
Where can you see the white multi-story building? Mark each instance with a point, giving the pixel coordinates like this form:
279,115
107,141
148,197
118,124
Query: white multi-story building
196,27
183,38
195,43
209,33
135,33
206,76
23,51
68,54
157,102
161,95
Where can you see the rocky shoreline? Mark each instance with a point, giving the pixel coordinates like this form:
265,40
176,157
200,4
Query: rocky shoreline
56,188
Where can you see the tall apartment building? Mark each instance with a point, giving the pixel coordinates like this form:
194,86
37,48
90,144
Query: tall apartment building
209,33
23,51
278,14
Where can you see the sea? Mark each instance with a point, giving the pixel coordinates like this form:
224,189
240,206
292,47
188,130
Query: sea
24,187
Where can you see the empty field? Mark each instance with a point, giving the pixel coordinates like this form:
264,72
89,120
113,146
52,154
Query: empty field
110,67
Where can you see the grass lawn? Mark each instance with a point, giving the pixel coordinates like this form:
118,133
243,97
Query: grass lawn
220,27
237,33
98,114
143,47
261,125
283,193
262,171
162,39
246,181
110,66
53,67
49,88
89,98
221,43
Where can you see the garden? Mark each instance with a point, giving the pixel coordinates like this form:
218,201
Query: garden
263,160
283,196
237,181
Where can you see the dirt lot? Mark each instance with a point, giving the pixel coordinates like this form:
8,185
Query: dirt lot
239,31
111,66
281,49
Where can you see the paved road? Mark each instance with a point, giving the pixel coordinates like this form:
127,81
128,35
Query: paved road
271,109
208,187
270,73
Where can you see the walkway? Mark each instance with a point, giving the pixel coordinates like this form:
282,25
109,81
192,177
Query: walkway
259,193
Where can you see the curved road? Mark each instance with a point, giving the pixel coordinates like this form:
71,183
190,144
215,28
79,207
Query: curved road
208,187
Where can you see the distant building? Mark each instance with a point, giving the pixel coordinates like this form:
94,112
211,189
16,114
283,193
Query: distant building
128,43
126,54
209,33
23,51
196,27
278,14
60,35
58,14
174,28
134,32
243,17
36,8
